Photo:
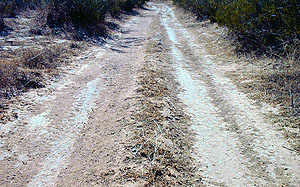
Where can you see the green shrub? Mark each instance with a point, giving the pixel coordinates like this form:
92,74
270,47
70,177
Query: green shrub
87,15
2,25
202,8
115,9
128,5
7,8
78,12
267,23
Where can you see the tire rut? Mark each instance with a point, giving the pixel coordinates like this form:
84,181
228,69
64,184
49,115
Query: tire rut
235,144
47,142
74,131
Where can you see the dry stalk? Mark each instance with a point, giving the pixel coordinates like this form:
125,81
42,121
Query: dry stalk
35,56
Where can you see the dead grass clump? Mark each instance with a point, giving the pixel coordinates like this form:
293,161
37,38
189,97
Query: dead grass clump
29,52
28,70
15,78
41,59
162,138
280,85
284,86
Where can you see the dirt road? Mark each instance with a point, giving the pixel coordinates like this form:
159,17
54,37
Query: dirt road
235,146
75,124
72,132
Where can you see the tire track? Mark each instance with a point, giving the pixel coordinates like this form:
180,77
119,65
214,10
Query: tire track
235,145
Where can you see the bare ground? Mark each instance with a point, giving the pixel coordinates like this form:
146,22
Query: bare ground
152,107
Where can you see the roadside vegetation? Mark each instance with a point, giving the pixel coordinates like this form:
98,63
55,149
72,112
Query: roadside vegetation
263,38
259,25
61,26
85,15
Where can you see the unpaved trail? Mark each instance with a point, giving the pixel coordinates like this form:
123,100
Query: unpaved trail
72,132
235,144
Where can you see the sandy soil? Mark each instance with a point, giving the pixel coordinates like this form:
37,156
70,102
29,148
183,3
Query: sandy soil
76,132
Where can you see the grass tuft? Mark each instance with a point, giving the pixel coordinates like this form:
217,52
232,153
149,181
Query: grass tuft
18,74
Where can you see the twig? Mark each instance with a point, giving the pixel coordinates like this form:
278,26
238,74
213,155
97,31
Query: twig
291,149
36,56
291,96
90,54
158,126
67,33
156,146
170,102
141,146
26,84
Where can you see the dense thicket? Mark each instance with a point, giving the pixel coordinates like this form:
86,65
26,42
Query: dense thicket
87,15
261,22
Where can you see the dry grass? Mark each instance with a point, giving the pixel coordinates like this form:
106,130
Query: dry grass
26,68
274,80
29,54
30,51
277,81
162,137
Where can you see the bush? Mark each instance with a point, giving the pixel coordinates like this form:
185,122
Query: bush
267,23
203,9
128,5
82,14
87,15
